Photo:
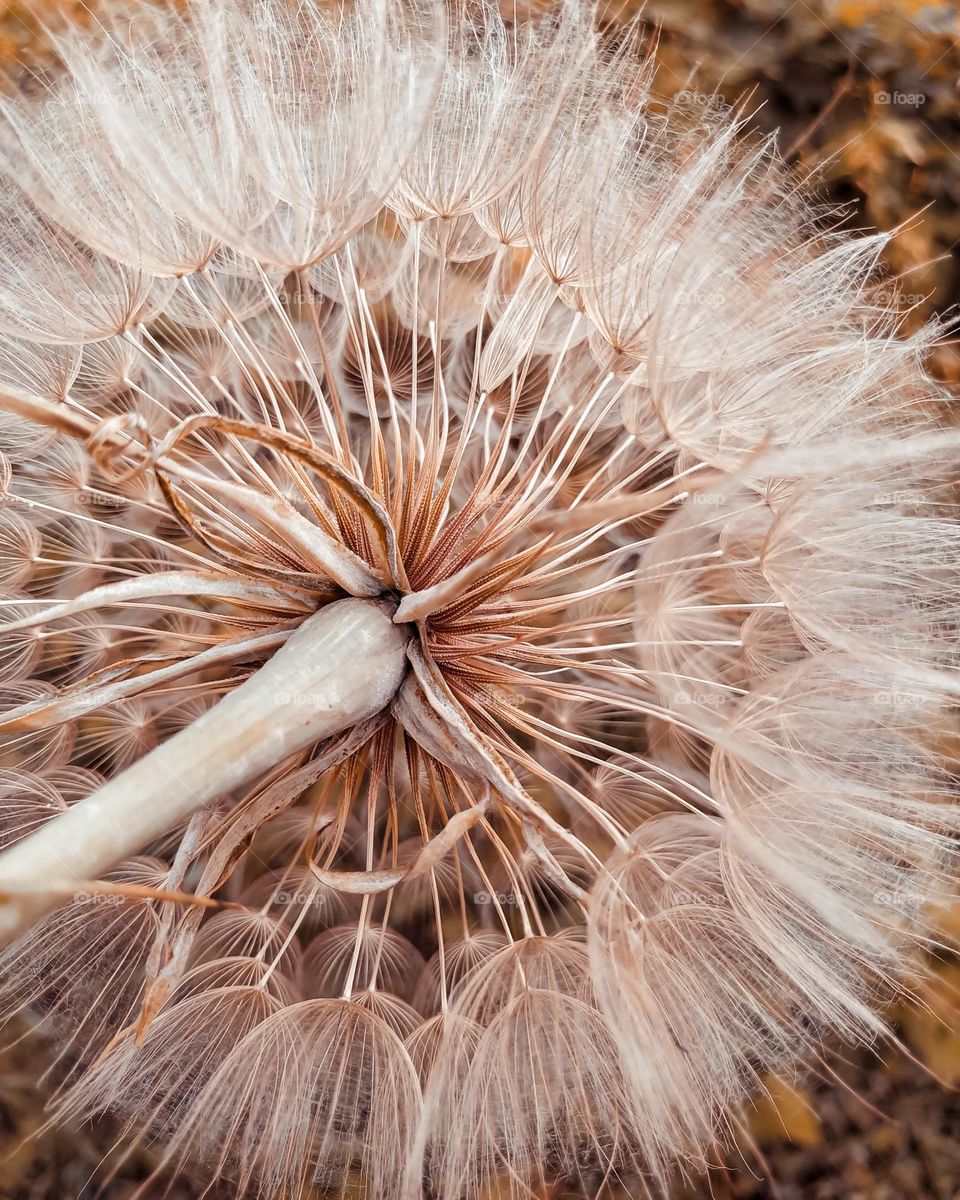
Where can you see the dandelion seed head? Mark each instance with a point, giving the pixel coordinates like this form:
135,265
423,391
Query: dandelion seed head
440,327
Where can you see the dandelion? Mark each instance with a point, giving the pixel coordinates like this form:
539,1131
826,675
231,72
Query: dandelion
479,602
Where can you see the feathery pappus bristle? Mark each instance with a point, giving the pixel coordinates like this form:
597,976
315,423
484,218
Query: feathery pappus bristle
479,573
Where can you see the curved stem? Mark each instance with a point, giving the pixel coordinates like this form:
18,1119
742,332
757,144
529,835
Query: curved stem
341,666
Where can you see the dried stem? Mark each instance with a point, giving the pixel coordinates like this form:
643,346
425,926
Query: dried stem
341,666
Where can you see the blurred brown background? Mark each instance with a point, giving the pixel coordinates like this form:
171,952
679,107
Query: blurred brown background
866,93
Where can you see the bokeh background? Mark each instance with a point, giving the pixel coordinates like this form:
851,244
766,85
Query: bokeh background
865,95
